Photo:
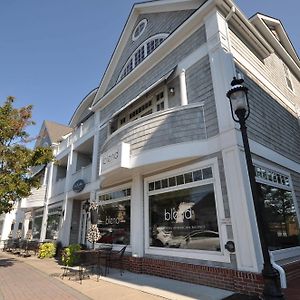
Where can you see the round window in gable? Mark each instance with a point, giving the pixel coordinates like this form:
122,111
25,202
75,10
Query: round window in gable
139,29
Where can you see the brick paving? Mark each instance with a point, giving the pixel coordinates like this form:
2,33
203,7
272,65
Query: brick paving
36,279
19,280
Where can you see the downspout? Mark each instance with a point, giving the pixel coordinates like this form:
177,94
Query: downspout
228,17
280,271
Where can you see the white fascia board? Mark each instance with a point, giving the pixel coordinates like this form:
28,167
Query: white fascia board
178,36
289,56
82,105
283,35
241,23
138,9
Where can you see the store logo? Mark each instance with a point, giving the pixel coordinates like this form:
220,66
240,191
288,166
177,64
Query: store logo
109,158
78,186
112,221
172,214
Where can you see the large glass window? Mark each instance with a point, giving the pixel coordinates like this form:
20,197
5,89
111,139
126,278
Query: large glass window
114,217
52,226
280,218
279,213
36,228
184,218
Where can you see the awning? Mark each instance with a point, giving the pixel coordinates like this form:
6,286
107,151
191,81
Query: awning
156,83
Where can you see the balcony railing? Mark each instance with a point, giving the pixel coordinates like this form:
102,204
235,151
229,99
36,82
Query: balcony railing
58,187
172,126
82,130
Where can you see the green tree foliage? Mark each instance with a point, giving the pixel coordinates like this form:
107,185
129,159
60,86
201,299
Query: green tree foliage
16,160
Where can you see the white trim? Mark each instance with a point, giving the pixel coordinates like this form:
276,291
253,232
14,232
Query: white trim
277,158
192,24
222,256
143,21
146,54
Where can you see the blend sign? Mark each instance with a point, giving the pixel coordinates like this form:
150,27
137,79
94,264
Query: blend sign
116,157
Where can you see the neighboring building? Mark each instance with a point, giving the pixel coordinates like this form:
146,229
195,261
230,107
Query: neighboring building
26,220
156,147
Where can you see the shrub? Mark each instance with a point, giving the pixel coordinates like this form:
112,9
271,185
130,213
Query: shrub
69,257
47,250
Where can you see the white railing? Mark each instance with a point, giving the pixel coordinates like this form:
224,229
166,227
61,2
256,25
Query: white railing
58,187
82,130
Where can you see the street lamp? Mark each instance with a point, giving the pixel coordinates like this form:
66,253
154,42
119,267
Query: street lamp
86,207
240,110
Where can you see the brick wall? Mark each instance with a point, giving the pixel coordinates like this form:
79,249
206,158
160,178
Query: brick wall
237,281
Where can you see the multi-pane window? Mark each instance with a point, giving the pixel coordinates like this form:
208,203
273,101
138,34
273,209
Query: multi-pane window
139,29
139,56
141,53
153,44
183,213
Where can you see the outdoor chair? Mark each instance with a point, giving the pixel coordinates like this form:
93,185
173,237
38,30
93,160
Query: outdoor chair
116,259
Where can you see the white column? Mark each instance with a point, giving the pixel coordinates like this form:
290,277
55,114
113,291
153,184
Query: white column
64,233
95,147
137,216
183,91
47,182
246,239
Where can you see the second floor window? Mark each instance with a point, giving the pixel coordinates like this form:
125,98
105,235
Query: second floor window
141,53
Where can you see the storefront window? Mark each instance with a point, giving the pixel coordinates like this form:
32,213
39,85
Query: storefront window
37,225
114,218
280,218
184,218
52,226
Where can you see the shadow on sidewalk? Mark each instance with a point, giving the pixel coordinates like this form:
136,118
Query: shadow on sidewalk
7,262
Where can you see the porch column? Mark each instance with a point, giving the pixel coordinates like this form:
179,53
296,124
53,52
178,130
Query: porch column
183,91
137,216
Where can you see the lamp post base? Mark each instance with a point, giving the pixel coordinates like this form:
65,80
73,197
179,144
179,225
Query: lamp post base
272,287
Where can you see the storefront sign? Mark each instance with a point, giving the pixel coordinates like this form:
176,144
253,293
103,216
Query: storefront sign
78,186
116,157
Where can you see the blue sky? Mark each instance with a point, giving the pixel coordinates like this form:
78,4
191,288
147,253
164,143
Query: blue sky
53,53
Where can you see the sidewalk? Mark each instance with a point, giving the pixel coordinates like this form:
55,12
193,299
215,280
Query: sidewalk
129,286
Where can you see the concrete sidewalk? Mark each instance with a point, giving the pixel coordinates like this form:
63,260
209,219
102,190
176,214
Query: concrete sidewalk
129,286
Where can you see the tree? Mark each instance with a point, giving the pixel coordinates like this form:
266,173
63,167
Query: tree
16,160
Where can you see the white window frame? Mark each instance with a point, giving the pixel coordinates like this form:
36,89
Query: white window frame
153,106
146,54
219,256
292,251
142,22
127,198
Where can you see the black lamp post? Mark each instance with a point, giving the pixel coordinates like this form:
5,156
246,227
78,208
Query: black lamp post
86,207
240,110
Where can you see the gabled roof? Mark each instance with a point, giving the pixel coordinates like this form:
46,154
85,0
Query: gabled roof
138,9
83,109
53,131
274,32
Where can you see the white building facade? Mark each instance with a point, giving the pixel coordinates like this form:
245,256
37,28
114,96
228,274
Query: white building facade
155,146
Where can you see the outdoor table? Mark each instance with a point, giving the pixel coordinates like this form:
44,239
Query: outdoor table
101,254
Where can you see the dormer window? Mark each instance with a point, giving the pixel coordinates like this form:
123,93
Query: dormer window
139,29
141,53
